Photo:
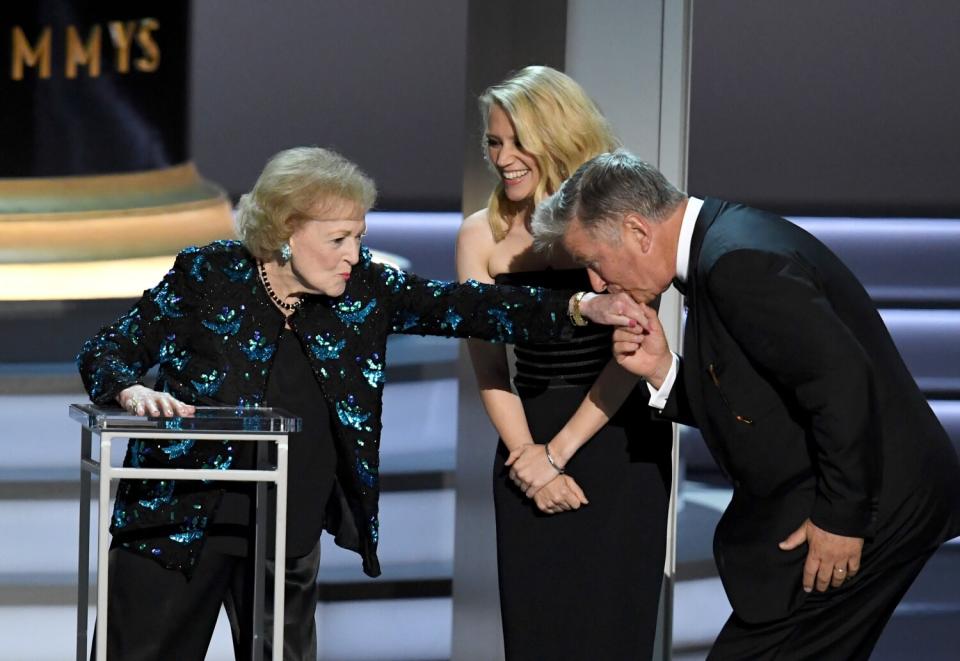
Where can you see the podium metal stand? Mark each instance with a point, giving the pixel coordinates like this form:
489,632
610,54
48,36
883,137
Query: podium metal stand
210,424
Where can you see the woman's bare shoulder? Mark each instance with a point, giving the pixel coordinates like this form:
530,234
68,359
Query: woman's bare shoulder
475,229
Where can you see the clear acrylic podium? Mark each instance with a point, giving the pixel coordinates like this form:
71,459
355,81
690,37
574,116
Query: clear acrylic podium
209,423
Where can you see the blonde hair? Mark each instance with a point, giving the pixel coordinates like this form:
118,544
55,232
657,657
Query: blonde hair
287,192
557,124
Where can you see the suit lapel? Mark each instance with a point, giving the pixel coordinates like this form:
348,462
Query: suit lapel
708,214
693,329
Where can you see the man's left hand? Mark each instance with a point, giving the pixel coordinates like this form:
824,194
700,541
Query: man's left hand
643,350
831,559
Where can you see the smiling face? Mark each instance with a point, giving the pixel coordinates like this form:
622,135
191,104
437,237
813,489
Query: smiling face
517,168
326,247
636,264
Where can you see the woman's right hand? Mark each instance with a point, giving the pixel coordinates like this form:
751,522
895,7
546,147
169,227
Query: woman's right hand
611,309
140,400
560,494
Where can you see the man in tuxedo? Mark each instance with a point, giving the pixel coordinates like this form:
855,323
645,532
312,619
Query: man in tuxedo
844,482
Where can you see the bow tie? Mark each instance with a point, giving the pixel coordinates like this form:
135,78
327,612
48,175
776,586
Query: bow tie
681,286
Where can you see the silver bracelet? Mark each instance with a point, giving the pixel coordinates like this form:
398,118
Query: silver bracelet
546,446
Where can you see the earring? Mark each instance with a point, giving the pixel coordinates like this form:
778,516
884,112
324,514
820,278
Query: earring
285,253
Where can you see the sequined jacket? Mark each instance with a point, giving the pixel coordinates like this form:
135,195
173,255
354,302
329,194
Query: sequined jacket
212,331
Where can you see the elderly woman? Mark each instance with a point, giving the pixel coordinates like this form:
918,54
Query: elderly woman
296,316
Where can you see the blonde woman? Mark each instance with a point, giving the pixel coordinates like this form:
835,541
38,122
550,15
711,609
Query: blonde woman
582,473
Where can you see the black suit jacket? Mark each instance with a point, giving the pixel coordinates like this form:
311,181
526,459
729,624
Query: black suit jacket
806,404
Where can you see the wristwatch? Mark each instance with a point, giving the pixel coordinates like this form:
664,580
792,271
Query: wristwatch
576,318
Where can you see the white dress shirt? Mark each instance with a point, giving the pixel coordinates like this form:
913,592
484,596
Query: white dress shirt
658,398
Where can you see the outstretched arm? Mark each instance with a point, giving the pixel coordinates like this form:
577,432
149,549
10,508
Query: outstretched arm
418,306
477,308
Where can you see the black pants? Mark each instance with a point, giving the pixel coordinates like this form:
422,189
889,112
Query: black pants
842,624
156,614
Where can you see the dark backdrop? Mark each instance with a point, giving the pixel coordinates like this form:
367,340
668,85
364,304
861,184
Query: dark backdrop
823,106
381,81
828,106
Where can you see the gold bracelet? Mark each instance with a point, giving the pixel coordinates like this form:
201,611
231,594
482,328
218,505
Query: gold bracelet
576,317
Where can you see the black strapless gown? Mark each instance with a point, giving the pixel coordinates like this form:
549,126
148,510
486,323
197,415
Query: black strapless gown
582,585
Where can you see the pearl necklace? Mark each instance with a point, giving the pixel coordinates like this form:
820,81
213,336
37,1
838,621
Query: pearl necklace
279,302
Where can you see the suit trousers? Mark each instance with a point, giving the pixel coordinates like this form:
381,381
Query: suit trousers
842,624
157,614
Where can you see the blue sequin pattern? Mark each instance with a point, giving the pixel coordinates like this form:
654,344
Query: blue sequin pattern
129,326
372,370
208,383
407,321
325,348
240,269
366,472
226,322
353,416
502,320
199,268
173,355
187,537
178,448
451,319
162,494
393,278
438,288
220,462
354,313
167,301
258,348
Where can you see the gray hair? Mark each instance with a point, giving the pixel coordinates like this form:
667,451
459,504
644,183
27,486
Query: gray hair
292,184
599,194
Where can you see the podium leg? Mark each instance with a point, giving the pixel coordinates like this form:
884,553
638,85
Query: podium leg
280,553
259,560
103,545
83,561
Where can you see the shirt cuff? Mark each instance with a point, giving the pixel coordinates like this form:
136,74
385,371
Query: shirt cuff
658,398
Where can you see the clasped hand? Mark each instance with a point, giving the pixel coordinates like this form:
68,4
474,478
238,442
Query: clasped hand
612,310
538,479
639,343
642,348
